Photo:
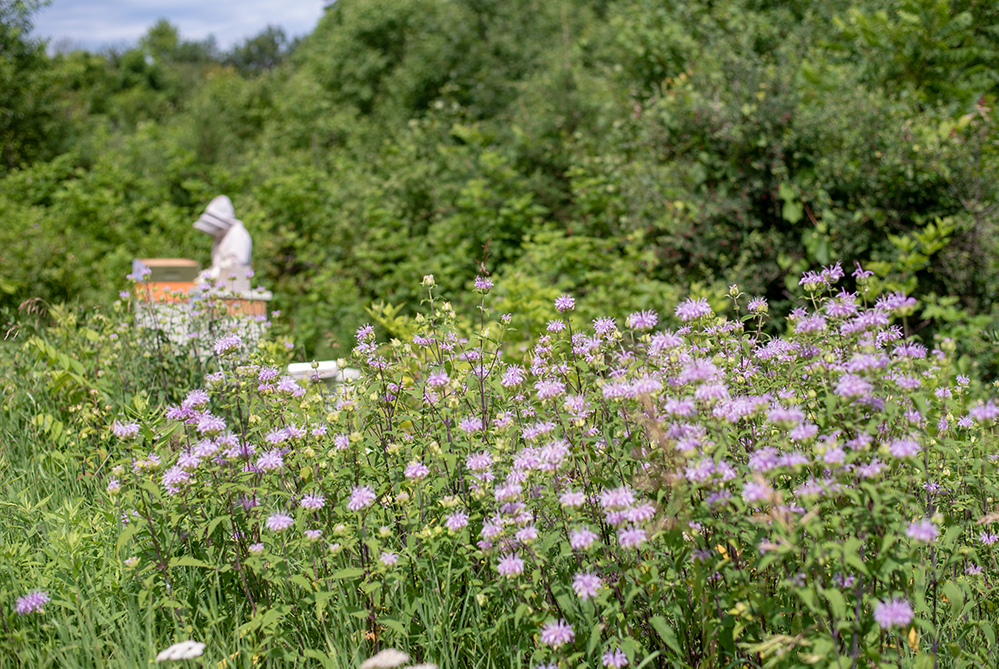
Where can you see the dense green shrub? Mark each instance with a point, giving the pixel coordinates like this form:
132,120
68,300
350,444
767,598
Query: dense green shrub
733,138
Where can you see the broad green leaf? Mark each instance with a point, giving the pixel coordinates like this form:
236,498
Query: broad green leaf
666,633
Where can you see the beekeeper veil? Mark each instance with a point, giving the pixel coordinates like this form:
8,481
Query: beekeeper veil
219,216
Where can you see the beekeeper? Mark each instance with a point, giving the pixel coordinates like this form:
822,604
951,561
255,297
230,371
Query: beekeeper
233,246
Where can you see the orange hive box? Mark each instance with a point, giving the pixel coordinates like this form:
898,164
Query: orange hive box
172,279
168,279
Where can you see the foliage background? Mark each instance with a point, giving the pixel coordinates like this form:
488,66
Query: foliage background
628,151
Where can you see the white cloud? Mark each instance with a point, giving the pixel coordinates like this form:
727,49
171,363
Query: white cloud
92,23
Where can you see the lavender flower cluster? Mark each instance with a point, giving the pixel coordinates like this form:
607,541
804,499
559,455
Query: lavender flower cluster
617,472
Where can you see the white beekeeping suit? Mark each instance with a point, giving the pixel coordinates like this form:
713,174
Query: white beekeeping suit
233,246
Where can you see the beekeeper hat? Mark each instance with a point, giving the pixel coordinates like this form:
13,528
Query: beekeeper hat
219,216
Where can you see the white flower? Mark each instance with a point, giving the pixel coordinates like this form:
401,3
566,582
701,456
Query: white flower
390,657
185,650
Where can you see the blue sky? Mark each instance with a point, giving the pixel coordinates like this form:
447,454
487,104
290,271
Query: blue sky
93,23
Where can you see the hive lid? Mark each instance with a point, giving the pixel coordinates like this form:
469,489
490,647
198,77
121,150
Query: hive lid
167,269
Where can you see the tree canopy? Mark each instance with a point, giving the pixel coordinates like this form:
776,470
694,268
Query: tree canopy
626,151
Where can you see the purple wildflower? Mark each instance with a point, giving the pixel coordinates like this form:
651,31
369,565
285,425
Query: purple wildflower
698,370
276,436
692,309
581,539
631,537
643,320
479,462
279,522
893,613
526,535
125,430
804,431
194,399
756,492
565,303
513,376
617,498
361,497
896,303
210,424
784,417
586,585
470,424
510,566
663,341
556,633
923,530
32,602
871,470
850,385
549,388
416,470
810,325
270,461
604,326
188,461
456,521
227,344
904,448
984,413
313,502
438,379
615,659
175,477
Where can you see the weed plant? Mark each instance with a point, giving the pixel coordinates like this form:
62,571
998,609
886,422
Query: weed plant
631,495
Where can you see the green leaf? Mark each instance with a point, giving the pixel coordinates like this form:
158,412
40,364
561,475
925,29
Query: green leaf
215,522
851,554
836,601
648,659
394,625
351,572
792,212
323,658
666,633
954,595
594,641
188,561
261,620
523,610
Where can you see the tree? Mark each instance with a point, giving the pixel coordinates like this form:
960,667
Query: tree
27,104
261,52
